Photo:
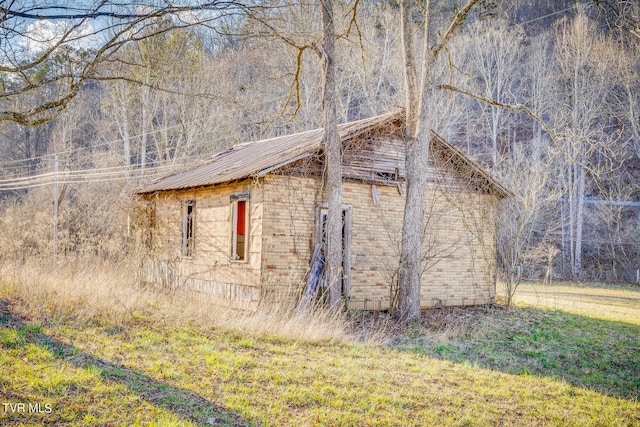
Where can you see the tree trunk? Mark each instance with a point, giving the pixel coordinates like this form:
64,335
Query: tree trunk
495,121
122,120
145,120
333,169
420,99
572,216
411,248
412,227
577,270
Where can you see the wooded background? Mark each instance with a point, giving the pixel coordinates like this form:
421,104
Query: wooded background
542,93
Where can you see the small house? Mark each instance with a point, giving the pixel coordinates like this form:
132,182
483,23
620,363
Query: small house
245,225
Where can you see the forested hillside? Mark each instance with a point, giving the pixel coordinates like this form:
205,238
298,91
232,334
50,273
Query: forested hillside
543,93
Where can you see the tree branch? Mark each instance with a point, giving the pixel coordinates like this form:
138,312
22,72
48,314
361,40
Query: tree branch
457,20
44,101
39,13
530,113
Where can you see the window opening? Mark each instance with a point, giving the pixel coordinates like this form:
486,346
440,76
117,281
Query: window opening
239,230
188,214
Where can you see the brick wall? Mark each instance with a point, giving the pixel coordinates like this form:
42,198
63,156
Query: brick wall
288,233
210,269
459,244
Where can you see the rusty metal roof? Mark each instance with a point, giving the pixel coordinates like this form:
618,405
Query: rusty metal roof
259,157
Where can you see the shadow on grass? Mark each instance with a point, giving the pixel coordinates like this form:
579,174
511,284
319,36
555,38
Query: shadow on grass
586,352
182,403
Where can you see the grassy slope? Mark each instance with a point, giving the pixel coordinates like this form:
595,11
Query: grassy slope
526,367
586,352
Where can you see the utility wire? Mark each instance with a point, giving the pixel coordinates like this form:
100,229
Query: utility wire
82,176
8,163
23,187
131,137
88,156
96,170
545,16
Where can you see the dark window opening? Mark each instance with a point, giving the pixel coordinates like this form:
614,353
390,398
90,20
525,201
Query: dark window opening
387,176
346,250
188,214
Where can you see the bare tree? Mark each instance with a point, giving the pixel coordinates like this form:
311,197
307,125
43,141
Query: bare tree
51,50
622,14
584,62
119,104
419,97
541,87
524,217
495,56
332,148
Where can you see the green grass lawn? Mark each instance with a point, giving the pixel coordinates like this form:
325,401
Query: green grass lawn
619,303
528,366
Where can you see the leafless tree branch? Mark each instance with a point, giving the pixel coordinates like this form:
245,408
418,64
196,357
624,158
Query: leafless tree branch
31,96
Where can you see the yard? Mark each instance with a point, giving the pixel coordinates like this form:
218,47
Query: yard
528,366
607,303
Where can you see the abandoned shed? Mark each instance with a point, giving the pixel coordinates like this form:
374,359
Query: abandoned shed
244,226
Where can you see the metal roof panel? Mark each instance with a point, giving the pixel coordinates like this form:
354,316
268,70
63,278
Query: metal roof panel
247,159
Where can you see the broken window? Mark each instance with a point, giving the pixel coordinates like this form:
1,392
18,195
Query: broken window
239,223
188,216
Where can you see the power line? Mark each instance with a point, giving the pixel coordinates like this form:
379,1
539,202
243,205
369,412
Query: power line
119,140
96,174
9,163
88,157
84,171
545,16
23,187
82,176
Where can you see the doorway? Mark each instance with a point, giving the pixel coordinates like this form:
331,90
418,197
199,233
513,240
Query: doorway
345,285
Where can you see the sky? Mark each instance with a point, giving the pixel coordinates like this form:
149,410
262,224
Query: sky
28,37
41,35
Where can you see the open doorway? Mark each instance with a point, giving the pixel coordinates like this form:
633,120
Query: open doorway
316,281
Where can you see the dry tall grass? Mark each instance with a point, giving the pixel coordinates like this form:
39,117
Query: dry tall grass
86,290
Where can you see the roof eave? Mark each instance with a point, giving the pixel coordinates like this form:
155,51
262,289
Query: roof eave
494,185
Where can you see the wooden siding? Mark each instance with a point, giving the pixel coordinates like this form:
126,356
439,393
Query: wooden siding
373,158
379,159
210,269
